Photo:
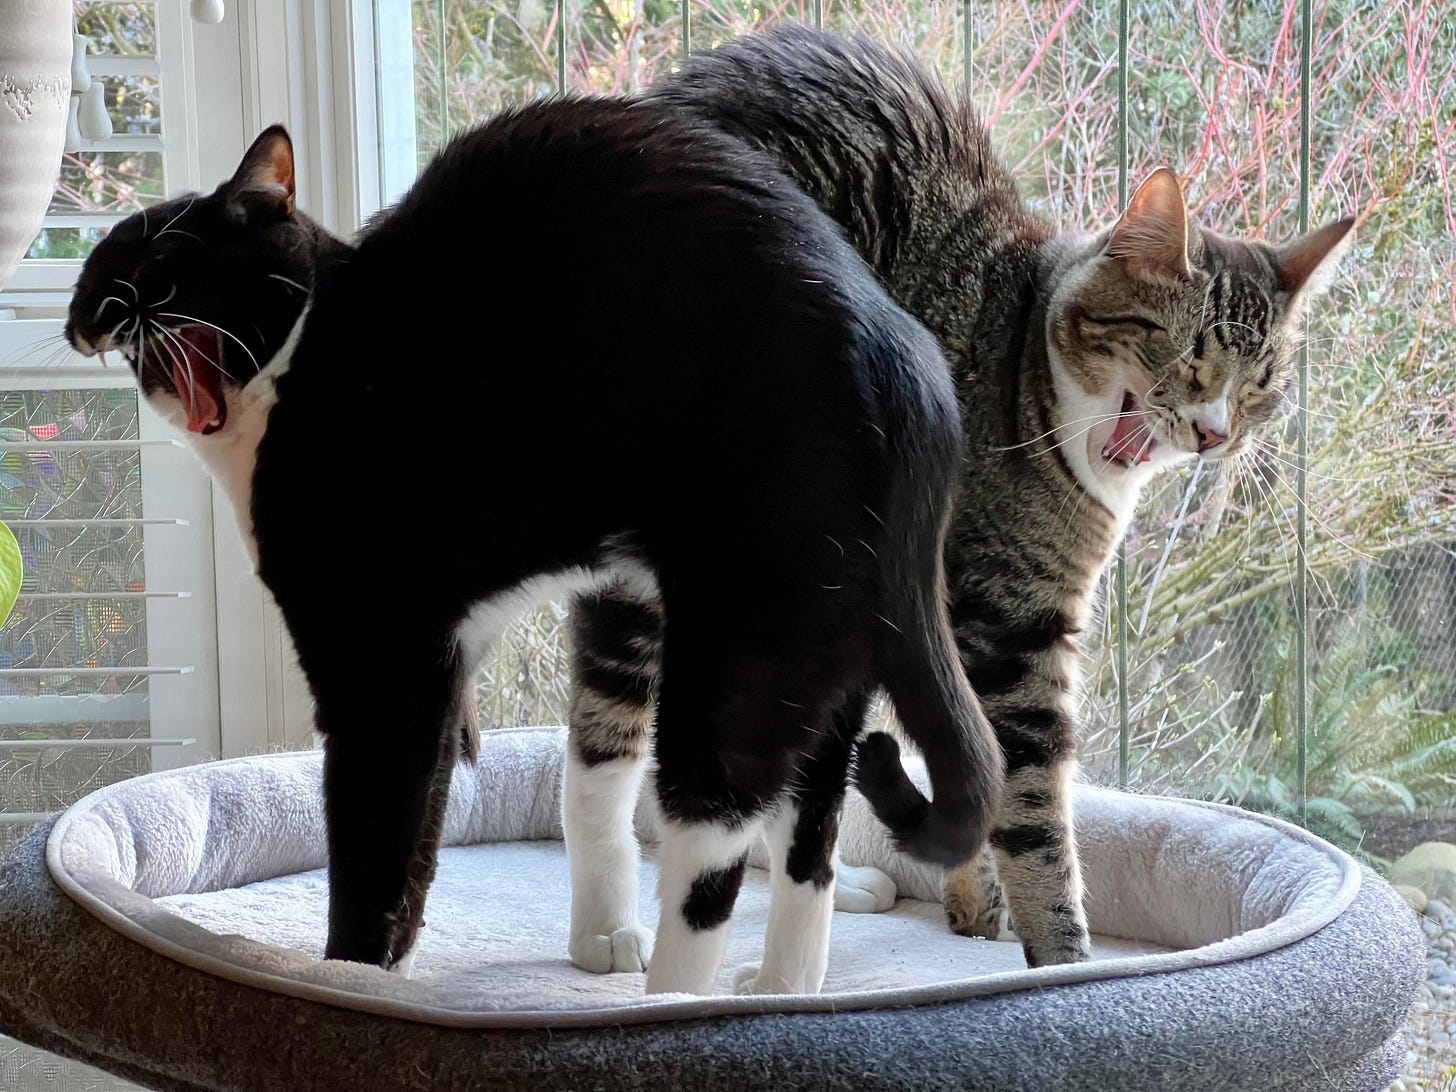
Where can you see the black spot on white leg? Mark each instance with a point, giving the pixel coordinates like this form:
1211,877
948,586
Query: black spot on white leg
710,900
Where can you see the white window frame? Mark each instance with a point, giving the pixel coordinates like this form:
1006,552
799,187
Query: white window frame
221,85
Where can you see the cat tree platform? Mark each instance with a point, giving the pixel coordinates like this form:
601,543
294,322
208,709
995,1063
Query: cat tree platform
168,929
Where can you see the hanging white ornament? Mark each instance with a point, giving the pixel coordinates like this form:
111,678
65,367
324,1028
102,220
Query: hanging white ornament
80,74
35,95
207,11
94,121
73,127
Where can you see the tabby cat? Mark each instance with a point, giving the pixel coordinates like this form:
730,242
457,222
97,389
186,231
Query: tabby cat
1086,363
646,364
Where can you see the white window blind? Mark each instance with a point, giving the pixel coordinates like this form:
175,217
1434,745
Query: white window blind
109,661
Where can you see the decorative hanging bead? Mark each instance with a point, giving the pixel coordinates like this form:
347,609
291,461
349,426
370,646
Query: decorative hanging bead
207,11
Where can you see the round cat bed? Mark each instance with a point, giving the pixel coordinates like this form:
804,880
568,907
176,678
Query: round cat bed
168,929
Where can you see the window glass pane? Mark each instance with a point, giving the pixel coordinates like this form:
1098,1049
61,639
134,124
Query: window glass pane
101,181
24,1068
79,604
115,183
472,59
118,29
620,45
119,182
931,29
716,21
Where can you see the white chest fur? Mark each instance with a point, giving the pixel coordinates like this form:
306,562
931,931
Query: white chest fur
230,454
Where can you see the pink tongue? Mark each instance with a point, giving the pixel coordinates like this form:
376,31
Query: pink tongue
1129,437
196,395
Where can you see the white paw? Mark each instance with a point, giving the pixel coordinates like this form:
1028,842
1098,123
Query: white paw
862,890
402,965
628,949
1005,927
745,979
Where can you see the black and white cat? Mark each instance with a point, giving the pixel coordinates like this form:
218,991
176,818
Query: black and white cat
597,347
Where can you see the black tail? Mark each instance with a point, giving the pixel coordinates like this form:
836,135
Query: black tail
917,660
943,718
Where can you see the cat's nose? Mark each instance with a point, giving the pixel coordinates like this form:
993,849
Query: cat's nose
1208,436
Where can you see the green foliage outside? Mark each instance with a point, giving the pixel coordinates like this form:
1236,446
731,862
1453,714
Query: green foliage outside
1212,558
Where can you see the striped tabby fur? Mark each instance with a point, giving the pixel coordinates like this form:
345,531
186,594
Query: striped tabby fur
1086,363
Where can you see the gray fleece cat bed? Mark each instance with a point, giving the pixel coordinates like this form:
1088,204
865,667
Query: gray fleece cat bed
168,929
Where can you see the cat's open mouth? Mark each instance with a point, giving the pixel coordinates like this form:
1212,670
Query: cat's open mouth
1132,440
192,356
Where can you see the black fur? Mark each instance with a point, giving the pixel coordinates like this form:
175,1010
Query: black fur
639,345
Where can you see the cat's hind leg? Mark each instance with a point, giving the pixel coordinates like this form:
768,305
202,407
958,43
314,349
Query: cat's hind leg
726,747
709,816
975,905
801,837
616,650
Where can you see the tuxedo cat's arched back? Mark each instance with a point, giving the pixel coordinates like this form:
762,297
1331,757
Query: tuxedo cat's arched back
635,362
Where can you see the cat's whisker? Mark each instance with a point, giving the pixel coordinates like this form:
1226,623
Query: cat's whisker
1290,464
167,227
135,295
166,300
213,326
51,357
1146,445
97,316
1173,534
1083,432
1238,325
1325,527
174,340
180,368
35,346
177,334
1096,419
111,342
291,283
1268,501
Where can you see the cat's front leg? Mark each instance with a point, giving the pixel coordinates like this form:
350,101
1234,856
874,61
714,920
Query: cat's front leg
1035,851
388,758
599,800
796,942
616,642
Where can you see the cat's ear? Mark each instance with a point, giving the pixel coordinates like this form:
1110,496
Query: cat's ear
263,182
1152,236
1307,265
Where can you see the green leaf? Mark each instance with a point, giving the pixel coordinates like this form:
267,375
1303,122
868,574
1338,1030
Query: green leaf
12,571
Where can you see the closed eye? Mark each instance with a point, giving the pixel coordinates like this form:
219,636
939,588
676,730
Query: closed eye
1128,320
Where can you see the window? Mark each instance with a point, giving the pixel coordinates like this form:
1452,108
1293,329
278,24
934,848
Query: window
109,662
1217,700
103,182
1278,633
